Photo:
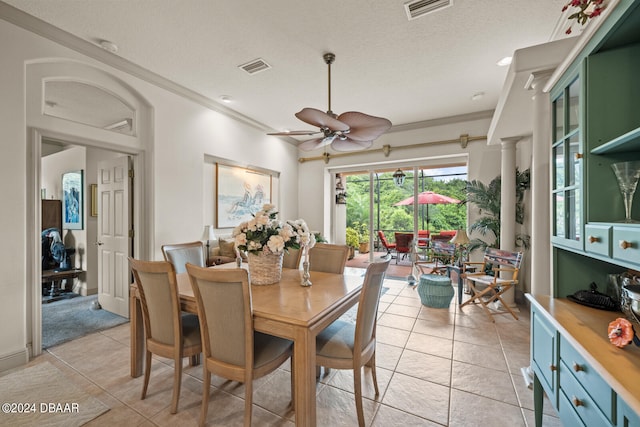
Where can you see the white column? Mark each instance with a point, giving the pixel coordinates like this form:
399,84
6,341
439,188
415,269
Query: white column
540,186
508,203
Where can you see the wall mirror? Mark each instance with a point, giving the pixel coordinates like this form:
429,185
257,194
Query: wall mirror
89,105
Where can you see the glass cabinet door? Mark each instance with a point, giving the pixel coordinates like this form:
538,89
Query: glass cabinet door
567,166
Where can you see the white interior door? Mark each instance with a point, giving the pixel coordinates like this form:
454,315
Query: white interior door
114,240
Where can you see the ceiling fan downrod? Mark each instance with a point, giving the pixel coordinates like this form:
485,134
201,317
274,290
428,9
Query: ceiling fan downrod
328,59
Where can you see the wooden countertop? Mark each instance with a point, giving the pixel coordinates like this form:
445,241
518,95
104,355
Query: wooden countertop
586,329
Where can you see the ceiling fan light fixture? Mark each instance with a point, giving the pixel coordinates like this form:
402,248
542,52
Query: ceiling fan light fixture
398,177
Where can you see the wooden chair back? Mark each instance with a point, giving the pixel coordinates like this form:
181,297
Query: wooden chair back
179,254
168,333
292,258
328,258
231,346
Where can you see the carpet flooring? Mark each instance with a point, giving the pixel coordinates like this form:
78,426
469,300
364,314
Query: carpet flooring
43,396
73,318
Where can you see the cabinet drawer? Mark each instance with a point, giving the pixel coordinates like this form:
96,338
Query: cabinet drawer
577,398
626,243
626,417
598,239
574,365
567,414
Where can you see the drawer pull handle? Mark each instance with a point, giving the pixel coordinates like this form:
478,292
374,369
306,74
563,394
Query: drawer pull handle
593,239
577,367
624,244
576,402
553,368
579,156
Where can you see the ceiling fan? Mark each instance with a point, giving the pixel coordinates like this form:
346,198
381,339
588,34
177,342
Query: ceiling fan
350,131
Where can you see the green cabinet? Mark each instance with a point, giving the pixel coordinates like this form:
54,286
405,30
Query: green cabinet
567,170
595,112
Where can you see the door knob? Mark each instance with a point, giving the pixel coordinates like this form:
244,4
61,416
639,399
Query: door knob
99,243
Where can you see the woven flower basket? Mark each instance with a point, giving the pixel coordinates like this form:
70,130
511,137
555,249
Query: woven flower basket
265,268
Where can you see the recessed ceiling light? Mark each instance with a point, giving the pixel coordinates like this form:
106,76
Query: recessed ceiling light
504,61
109,46
477,96
226,99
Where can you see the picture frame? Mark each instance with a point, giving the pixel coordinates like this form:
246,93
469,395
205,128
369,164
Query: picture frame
240,193
94,200
73,200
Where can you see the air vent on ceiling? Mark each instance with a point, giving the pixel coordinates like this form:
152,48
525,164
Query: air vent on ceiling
418,8
255,66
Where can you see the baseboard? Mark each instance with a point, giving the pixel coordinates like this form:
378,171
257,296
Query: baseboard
13,360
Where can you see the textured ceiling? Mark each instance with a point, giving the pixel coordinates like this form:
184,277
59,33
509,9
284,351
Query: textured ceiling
386,65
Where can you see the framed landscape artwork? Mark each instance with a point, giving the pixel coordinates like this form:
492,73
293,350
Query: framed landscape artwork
72,200
240,192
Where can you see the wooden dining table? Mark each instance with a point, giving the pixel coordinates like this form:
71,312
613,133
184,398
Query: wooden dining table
284,309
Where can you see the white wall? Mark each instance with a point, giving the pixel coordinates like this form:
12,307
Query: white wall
174,147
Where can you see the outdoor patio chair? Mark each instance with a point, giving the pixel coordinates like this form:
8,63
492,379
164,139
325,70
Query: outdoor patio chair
388,246
403,244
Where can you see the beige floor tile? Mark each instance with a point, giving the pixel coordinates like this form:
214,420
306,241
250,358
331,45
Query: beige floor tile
472,410
120,333
484,382
516,359
387,356
426,367
388,416
435,328
419,397
411,302
436,315
392,336
482,336
343,379
430,344
547,420
404,310
481,355
337,408
393,320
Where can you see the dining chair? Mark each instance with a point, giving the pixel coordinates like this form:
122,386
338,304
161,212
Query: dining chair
179,254
345,345
292,258
168,332
328,258
232,348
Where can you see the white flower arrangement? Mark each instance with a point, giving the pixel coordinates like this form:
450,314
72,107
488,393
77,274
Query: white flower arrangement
265,233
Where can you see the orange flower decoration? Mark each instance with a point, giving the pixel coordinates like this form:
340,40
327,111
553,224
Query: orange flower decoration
621,332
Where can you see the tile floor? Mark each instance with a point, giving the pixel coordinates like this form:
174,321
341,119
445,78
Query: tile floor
436,367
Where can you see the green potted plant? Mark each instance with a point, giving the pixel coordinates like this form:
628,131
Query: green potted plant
353,240
487,200
363,234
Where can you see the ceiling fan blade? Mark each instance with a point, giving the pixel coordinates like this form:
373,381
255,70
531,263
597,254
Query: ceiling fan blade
350,145
321,119
295,133
363,126
315,143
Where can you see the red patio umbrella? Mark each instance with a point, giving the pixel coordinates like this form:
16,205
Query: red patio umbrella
428,198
